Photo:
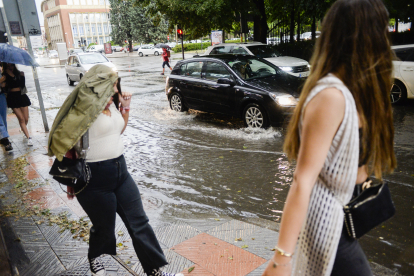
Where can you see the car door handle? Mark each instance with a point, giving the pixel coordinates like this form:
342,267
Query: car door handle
408,69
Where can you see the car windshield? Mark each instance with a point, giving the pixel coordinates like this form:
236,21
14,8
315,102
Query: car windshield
77,51
251,68
263,51
92,58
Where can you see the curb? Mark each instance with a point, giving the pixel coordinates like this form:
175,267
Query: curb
5,264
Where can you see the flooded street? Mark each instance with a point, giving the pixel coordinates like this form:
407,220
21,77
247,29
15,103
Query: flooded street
196,164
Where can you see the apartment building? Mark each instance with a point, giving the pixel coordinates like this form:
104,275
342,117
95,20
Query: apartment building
76,22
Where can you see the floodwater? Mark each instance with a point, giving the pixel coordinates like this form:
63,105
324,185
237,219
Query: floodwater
194,163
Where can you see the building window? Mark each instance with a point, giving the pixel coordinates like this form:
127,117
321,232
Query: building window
76,2
81,30
98,17
87,28
69,2
101,2
93,29
85,17
100,40
110,29
75,30
99,29
83,2
95,2
104,17
92,17
79,17
89,41
89,2
72,17
105,29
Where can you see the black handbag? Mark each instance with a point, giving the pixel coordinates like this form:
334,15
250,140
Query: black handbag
369,209
73,172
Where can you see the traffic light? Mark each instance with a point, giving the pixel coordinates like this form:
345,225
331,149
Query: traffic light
126,41
79,43
180,33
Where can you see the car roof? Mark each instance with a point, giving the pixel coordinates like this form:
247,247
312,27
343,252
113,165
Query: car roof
402,46
222,57
241,43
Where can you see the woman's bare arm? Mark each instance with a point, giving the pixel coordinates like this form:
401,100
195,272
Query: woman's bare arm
321,120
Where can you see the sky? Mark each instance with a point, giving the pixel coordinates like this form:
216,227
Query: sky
39,12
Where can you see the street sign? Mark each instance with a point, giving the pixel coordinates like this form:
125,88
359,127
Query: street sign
28,12
216,37
168,37
36,42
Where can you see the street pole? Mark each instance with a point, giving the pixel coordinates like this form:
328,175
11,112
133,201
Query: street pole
34,70
182,45
6,23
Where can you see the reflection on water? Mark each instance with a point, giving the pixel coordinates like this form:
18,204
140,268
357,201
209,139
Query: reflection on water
198,163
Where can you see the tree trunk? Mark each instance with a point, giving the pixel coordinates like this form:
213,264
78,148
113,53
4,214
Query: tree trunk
130,46
260,22
292,23
313,27
396,25
298,30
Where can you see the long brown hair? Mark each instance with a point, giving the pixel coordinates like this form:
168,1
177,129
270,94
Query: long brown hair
354,46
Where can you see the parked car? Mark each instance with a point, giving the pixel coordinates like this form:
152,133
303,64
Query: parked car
403,86
75,51
96,48
117,48
78,64
53,54
136,47
294,66
308,35
146,50
237,85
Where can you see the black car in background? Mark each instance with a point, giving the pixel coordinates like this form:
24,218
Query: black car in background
242,86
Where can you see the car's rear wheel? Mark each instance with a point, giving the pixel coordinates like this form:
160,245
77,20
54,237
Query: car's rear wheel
254,116
69,81
398,92
80,76
176,103
156,53
140,54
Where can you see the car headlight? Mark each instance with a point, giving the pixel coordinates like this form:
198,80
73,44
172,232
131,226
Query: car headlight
114,69
286,68
285,100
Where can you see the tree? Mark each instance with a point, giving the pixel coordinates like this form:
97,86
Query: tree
133,23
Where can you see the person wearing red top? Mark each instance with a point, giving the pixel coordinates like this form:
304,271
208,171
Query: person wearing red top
165,55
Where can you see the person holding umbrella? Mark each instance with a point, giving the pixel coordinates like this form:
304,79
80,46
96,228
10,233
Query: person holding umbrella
4,135
165,57
14,81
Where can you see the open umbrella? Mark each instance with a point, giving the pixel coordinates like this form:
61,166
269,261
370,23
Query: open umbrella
11,54
160,45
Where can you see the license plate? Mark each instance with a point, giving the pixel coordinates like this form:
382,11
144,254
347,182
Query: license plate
304,75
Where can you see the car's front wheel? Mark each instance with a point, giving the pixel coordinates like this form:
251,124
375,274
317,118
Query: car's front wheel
398,92
156,53
80,76
254,116
140,54
69,81
176,103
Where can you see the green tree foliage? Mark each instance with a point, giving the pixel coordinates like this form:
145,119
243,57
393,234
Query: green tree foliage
133,23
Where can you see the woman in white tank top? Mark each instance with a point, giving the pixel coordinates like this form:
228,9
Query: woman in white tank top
347,90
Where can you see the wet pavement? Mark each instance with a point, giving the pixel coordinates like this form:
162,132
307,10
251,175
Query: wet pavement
200,171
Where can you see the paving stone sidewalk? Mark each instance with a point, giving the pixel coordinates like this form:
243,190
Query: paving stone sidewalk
36,245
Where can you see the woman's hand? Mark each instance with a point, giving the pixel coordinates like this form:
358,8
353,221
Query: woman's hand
2,79
125,99
70,193
281,270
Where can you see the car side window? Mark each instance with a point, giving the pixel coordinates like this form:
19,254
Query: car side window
239,50
403,54
215,71
75,61
70,59
411,56
192,69
220,50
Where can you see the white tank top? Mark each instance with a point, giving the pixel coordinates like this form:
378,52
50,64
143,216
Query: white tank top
105,136
321,231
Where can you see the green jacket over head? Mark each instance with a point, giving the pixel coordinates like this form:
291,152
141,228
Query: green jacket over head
80,109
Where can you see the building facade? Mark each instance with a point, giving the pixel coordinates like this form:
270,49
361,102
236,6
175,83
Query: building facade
76,22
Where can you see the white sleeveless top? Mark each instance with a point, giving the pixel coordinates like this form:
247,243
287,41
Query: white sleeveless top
105,140
321,231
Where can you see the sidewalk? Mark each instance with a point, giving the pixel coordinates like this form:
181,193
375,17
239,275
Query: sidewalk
46,234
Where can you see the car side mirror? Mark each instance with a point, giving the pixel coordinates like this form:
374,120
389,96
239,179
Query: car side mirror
226,81
77,64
